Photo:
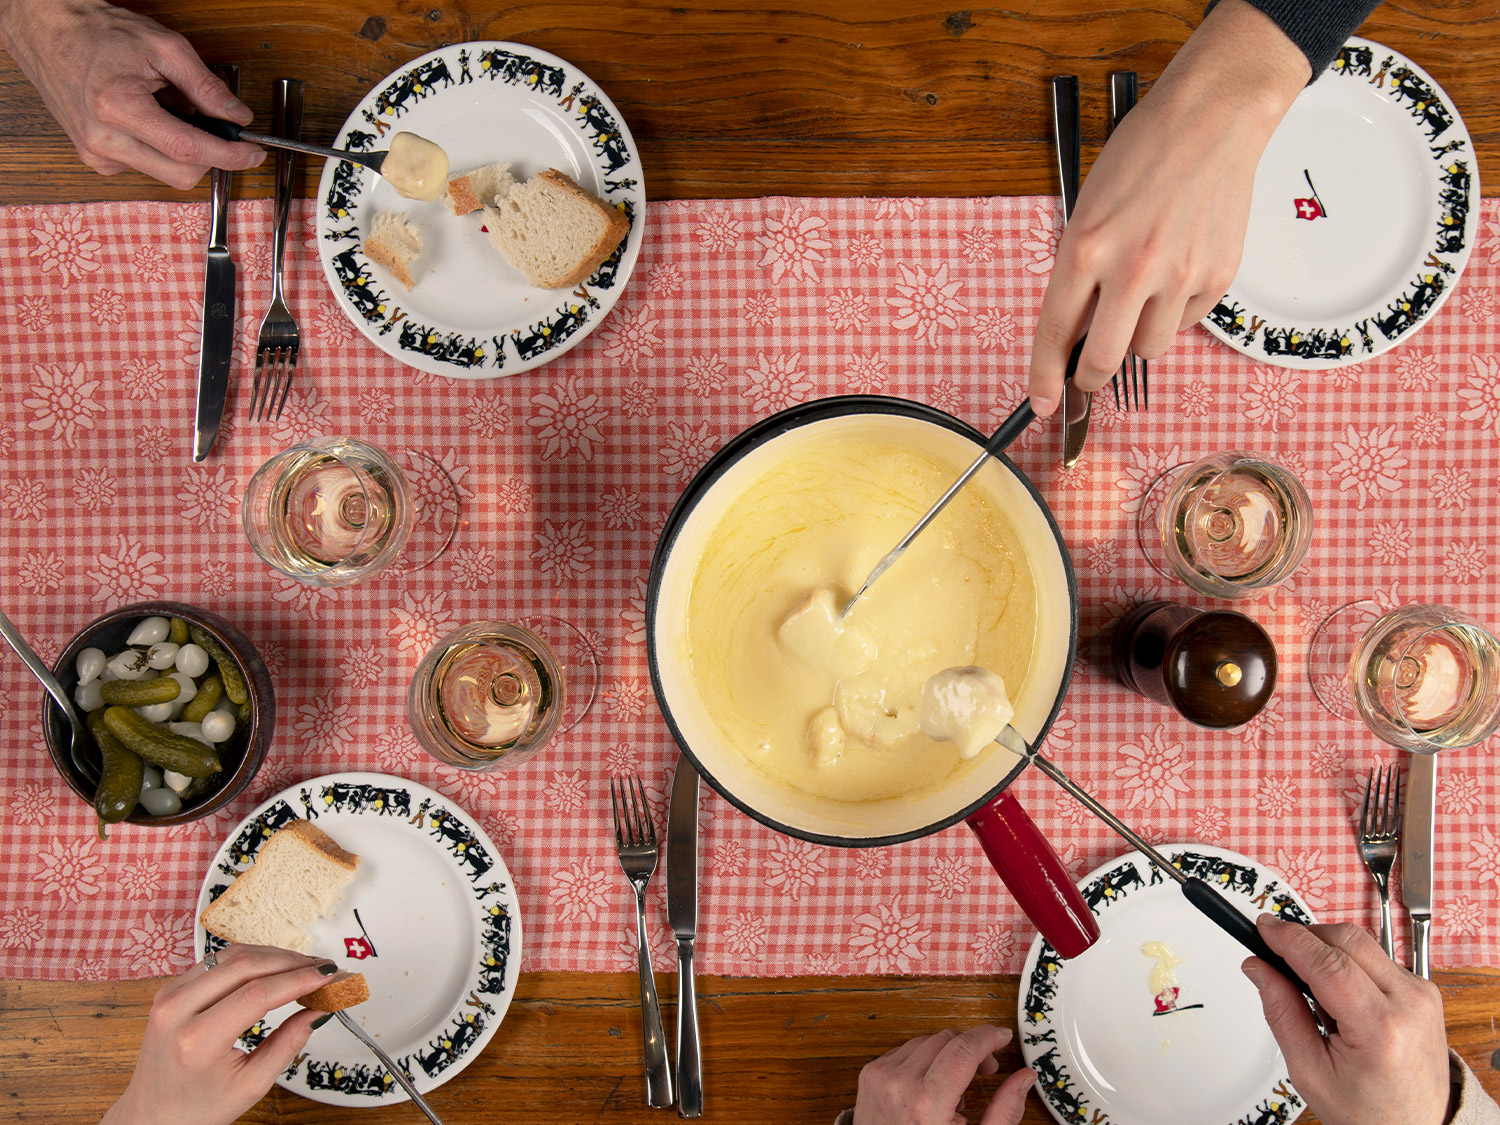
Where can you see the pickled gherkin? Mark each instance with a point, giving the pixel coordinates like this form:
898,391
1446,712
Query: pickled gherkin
140,693
160,747
234,683
120,779
210,691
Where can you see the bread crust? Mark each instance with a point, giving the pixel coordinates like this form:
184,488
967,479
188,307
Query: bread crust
383,255
344,990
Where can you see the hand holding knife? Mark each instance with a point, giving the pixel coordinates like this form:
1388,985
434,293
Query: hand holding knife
682,913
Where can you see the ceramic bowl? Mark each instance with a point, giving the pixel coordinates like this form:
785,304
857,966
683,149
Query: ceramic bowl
241,756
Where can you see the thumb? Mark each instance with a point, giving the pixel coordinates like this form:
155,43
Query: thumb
278,1049
1009,1102
1292,1023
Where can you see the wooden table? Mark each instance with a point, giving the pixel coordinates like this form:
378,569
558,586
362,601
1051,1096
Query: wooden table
831,99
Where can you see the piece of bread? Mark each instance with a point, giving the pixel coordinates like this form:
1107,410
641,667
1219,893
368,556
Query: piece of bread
553,231
472,190
343,990
394,242
297,878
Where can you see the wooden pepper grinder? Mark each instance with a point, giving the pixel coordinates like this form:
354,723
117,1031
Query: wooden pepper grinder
1216,668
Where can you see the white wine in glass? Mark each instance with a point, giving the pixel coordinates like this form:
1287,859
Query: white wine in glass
1422,677
328,512
488,696
1232,524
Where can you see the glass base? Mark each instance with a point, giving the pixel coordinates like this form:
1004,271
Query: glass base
576,658
1147,529
1333,645
436,509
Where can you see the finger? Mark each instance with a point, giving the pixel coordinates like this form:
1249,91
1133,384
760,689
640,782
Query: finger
917,1054
1342,986
179,64
958,1061
1198,306
1365,952
1292,1023
1064,314
278,1049
1110,333
1009,1103
237,965
1156,328
263,994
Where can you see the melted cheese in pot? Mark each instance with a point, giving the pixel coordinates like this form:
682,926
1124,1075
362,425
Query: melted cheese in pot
834,710
416,167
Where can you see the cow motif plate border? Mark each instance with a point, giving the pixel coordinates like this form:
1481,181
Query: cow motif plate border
469,314
1365,210
1108,1052
431,919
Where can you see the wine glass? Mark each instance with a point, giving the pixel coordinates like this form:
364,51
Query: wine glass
1422,677
490,695
1226,525
335,510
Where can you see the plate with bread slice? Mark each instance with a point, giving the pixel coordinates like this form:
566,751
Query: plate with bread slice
406,894
531,243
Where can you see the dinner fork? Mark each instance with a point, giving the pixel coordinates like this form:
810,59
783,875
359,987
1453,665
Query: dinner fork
635,839
1124,88
279,342
1379,830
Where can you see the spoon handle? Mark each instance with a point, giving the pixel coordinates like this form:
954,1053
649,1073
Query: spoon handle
34,662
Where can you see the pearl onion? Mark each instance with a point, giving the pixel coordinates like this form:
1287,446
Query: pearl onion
192,660
150,631
90,663
88,696
161,801
162,656
217,726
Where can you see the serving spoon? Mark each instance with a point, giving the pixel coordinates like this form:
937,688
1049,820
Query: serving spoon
32,661
1010,429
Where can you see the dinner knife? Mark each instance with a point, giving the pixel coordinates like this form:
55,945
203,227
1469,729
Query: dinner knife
682,913
217,348
1077,406
1416,856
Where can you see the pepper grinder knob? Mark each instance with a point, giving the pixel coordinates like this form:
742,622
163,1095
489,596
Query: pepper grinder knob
1216,668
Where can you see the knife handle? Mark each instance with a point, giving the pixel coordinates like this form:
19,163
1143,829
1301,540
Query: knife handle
216,126
689,1057
1421,925
1067,131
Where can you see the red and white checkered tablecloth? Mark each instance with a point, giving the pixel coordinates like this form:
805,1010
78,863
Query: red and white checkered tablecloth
736,309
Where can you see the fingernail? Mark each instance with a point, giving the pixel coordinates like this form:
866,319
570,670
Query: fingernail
237,110
1042,407
328,968
321,1020
1251,970
1269,920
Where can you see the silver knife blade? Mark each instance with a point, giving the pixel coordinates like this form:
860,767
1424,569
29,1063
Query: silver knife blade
1416,852
682,851
1077,406
218,308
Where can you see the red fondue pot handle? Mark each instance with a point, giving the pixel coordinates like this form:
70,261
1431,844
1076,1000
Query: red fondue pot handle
1034,875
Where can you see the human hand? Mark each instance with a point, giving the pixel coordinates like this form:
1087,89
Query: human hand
97,66
922,1082
1157,233
189,1068
1387,1063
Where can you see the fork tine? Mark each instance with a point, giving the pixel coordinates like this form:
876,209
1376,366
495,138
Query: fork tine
1364,813
1145,384
1114,384
614,804
255,387
650,825
1393,804
286,386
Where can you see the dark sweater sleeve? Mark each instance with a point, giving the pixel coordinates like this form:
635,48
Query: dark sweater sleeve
1318,27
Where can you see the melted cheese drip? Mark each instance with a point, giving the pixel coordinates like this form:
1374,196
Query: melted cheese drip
415,167
834,712
967,706
1164,972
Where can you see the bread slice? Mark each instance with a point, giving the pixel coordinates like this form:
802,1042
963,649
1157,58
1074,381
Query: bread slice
394,242
297,878
553,231
472,190
343,990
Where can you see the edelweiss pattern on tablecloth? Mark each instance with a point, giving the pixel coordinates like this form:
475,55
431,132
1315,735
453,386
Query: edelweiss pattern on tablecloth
736,310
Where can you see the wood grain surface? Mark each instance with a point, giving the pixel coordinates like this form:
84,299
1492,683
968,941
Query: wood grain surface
777,1051
752,97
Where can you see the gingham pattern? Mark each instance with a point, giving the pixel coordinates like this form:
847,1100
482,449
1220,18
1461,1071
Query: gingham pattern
736,309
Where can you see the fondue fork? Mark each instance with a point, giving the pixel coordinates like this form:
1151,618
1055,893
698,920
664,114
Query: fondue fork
1219,910
1010,429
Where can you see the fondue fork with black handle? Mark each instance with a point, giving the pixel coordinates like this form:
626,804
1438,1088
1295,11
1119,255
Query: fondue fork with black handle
1002,439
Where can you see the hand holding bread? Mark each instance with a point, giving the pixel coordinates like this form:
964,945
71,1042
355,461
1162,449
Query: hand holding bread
189,1068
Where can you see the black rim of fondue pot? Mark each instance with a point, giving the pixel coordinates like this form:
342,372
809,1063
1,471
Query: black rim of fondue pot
759,434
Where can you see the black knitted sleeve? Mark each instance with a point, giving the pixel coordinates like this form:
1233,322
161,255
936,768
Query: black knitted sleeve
1318,27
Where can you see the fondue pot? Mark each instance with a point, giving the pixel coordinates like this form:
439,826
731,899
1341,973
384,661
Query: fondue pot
1020,854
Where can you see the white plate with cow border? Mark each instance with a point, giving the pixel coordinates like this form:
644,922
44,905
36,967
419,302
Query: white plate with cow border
1365,210
469,314
431,918
1110,1049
